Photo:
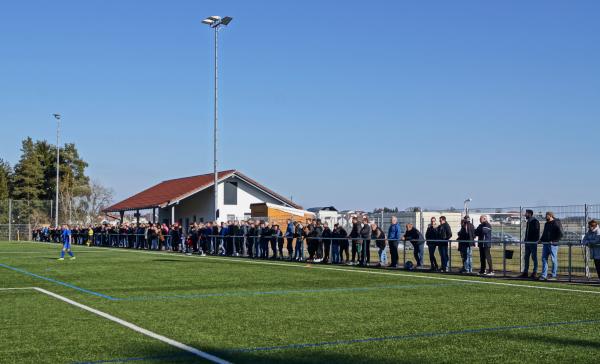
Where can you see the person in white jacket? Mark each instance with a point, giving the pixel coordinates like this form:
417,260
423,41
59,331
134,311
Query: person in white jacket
592,240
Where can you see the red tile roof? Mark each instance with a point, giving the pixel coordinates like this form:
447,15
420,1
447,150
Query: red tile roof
176,189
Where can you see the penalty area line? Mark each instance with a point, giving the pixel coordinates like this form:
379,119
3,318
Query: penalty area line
129,325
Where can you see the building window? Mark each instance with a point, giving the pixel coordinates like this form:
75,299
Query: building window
230,193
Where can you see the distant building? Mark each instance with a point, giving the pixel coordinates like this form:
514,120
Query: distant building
191,199
327,214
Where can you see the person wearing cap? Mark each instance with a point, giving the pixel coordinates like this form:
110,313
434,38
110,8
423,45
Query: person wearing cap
466,235
551,235
483,233
592,240
393,237
532,235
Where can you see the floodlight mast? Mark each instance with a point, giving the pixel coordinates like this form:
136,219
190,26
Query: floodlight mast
57,117
216,22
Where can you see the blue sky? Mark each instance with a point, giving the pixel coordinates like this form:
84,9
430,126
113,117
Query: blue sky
373,103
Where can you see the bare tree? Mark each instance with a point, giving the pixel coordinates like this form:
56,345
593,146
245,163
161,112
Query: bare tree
90,205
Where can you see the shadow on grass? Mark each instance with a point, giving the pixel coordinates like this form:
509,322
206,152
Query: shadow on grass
550,340
272,357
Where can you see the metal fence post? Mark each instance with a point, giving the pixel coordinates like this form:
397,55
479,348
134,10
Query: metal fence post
520,238
449,256
586,255
404,253
570,261
9,219
504,258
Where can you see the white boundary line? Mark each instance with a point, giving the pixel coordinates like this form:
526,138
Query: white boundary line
131,326
387,273
14,288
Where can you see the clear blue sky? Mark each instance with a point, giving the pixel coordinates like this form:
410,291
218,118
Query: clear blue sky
396,103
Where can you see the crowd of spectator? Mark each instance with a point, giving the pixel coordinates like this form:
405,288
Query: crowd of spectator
334,244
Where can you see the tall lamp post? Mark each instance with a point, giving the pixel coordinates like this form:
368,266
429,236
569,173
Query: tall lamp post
216,22
57,117
467,206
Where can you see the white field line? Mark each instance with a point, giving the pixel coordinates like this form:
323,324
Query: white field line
377,272
14,288
131,326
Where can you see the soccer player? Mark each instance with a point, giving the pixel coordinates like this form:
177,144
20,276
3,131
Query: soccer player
66,240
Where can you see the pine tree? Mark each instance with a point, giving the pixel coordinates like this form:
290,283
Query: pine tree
5,174
29,175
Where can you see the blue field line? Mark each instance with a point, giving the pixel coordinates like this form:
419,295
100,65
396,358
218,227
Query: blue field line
22,271
227,294
413,336
285,292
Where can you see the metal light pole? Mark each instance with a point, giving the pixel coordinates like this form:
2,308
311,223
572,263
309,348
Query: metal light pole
466,205
216,22
57,117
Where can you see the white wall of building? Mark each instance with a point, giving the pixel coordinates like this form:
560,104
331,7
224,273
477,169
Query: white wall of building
201,207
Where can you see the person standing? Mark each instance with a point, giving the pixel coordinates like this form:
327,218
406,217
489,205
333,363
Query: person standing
299,232
365,234
532,235
327,235
335,244
444,235
416,239
66,241
379,236
466,235
432,236
551,235
393,237
354,235
344,245
483,233
592,240
289,236
251,240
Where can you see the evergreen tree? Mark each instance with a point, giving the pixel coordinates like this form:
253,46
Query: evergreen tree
5,175
28,176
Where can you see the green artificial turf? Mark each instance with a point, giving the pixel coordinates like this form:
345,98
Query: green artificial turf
230,307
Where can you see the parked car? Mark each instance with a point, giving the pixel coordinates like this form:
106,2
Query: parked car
498,237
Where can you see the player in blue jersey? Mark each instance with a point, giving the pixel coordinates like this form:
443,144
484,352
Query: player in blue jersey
66,240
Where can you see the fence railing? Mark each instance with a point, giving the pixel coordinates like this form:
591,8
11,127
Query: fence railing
572,256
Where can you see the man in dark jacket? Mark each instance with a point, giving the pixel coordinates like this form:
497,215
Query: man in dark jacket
327,235
552,234
532,236
416,239
466,235
432,235
483,233
444,234
365,234
354,235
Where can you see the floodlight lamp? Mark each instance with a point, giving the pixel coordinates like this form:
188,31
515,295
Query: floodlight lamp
56,116
214,18
208,21
226,20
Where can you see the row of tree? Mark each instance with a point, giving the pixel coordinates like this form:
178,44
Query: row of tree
32,182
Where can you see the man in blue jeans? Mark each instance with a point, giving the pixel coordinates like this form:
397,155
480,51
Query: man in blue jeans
532,236
552,234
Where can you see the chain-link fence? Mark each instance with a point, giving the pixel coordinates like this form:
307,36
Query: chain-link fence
19,217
